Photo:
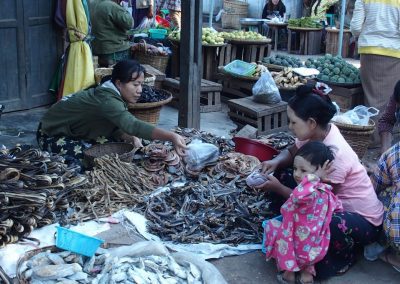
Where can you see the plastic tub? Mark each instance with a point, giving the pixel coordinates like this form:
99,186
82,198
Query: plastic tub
251,147
240,67
158,33
77,242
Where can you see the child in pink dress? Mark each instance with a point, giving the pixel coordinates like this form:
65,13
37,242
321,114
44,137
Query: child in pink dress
301,239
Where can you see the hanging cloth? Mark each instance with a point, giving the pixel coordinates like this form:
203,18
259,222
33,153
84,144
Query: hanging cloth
79,71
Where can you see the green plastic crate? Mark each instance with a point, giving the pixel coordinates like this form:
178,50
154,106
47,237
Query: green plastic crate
240,67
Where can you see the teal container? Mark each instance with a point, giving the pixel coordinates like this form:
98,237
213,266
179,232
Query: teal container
77,242
240,67
157,33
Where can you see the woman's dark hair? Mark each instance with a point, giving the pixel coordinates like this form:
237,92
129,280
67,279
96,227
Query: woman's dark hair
396,92
316,152
308,103
124,70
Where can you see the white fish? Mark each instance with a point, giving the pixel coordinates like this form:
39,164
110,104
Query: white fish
55,258
65,281
55,271
175,268
78,276
135,277
195,271
89,264
118,277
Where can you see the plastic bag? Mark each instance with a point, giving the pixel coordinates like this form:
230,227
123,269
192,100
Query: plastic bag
146,23
256,178
200,155
359,115
265,90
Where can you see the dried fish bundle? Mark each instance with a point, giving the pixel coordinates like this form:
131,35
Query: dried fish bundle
113,185
279,140
34,188
216,213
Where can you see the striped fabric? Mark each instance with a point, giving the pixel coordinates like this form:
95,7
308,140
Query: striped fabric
377,23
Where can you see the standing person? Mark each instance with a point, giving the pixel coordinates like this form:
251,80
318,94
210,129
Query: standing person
273,8
389,119
100,114
140,10
302,238
386,180
174,7
377,26
110,26
309,113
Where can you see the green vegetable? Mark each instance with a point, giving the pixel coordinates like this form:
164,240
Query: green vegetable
341,80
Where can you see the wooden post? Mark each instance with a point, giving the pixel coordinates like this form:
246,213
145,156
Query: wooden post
190,64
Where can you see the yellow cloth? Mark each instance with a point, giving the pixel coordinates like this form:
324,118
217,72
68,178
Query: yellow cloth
79,73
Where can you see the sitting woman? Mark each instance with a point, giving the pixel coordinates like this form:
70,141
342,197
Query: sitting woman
100,114
273,8
310,112
386,180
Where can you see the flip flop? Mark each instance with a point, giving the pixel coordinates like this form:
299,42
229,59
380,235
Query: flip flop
385,258
282,280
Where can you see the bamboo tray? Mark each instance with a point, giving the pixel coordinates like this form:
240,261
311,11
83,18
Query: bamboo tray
348,85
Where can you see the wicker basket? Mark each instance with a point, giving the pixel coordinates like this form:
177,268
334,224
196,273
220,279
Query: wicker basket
125,152
159,62
99,73
236,7
357,136
149,112
231,21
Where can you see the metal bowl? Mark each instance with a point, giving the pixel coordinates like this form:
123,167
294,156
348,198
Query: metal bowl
251,21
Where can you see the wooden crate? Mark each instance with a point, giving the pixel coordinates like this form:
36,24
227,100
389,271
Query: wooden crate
245,52
160,76
266,118
347,98
210,96
332,42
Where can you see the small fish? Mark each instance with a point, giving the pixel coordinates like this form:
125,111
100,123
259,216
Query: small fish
79,276
55,258
175,268
118,277
89,264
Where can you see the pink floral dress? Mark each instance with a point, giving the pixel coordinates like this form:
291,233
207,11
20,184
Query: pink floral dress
302,238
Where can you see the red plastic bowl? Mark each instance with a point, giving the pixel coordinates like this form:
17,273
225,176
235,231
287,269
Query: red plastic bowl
162,22
251,147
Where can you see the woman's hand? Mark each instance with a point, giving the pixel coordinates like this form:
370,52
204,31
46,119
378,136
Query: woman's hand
179,144
268,167
137,142
272,184
150,12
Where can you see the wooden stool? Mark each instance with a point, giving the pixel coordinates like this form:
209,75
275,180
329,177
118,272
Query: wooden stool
332,41
310,40
266,118
210,94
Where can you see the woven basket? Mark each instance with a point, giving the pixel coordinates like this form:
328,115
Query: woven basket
28,255
231,21
149,112
159,62
99,73
357,136
125,152
236,7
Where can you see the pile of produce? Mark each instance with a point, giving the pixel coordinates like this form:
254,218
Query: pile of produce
288,79
304,22
34,191
334,69
149,49
243,35
150,95
283,60
208,37
259,69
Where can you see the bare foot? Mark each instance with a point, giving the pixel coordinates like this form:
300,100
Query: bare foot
391,258
289,276
306,277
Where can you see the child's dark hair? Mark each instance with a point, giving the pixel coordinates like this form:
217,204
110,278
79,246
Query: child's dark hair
317,153
396,92
308,103
124,70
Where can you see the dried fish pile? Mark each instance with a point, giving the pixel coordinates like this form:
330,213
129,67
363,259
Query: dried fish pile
113,185
279,140
50,266
34,188
67,267
148,269
215,212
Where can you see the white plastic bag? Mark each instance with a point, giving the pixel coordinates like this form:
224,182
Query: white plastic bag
265,90
146,23
359,115
201,154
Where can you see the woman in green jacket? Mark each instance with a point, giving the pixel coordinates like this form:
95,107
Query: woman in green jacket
99,115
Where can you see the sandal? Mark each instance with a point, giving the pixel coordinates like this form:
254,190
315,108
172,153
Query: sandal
385,256
343,270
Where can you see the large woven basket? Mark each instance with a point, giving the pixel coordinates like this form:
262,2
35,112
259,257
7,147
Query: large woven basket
159,62
357,136
100,73
125,152
149,112
231,21
236,7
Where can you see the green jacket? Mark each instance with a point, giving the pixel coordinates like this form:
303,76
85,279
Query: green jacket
93,113
110,24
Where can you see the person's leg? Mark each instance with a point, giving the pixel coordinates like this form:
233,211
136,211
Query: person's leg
349,231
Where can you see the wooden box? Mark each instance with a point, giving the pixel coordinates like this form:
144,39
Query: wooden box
210,94
347,98
332,42
266,118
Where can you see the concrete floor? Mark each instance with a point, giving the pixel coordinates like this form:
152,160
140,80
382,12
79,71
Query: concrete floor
248,268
